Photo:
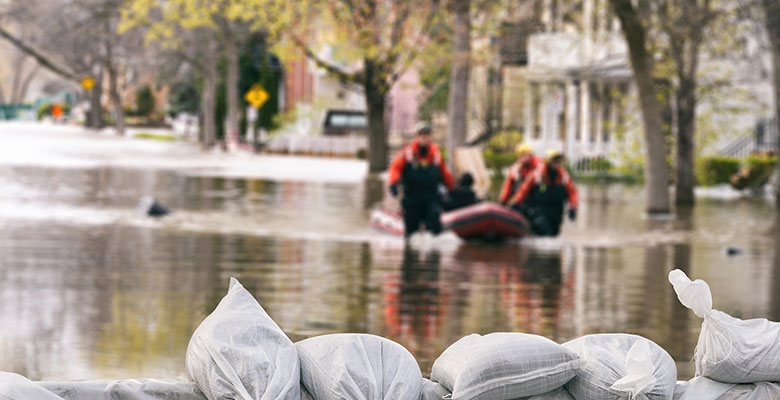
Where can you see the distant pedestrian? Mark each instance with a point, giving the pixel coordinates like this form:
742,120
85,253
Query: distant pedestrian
57,112
419,170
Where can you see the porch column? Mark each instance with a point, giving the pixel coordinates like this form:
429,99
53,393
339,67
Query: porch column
572,120
584,114
529,111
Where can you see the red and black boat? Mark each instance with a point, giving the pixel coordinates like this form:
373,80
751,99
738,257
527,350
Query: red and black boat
483,220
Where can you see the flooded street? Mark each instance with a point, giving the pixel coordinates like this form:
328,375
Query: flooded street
89,289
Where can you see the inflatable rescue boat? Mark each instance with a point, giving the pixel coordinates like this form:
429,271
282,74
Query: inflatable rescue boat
483,220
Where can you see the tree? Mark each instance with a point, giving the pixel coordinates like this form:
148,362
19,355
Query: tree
375,41
771,10
636,35
199,32
74,38
459,78
684,23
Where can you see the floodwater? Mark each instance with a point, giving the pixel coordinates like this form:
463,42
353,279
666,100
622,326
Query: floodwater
89,289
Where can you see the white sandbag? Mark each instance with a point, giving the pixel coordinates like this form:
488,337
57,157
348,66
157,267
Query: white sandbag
239,353
16,387
127,389
358,367
305,395
505,365
433,390
621,366
558,394
729,350
701,388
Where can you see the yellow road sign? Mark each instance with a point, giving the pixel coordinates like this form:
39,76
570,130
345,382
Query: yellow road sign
88,82
256,96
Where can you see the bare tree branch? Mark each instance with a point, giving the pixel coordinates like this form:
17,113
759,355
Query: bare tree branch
344,76
39,57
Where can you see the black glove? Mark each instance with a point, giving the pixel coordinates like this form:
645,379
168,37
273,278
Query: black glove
394,190
572,214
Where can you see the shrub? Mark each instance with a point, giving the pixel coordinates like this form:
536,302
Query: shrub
754,172
504,142
144,100
498,161
43,110
361,153
715,170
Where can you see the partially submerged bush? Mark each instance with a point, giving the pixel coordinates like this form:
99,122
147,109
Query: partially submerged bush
714,170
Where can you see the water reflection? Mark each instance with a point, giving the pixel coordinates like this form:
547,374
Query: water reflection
119,296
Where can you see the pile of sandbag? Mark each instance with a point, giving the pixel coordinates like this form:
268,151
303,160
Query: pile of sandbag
503,366
238,352
734,358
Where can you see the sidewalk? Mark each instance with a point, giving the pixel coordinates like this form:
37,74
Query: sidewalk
50,145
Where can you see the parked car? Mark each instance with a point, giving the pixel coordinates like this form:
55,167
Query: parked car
345,122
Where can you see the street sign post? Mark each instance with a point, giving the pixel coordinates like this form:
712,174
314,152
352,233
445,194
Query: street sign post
87,83
256,96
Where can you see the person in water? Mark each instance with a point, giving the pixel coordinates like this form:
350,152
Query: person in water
463,195
526,163
543,195
419,170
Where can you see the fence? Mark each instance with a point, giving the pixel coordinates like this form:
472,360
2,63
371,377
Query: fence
763,139
341,146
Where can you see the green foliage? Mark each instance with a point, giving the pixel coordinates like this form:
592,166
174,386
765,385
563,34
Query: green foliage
155,136
496,161
754,172
144,100
714,170
505,142
184,97
361,154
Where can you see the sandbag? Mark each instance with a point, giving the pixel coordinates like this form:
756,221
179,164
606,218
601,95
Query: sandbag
729,349
621,366
17,387
239,353
701,388
558,394
126,389
358,367
433,390
504,365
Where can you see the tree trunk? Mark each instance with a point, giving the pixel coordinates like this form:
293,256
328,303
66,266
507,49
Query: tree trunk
459,79
772,10
113,90
17,78
96,108
686,128
208,107
27,81
116,100
375,87
656,172
233,112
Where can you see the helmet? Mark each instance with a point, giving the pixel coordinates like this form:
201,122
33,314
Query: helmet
523,148
423,129
553,154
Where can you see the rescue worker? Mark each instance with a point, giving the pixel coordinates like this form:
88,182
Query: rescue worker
463,195
542,196
419,170
526,163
